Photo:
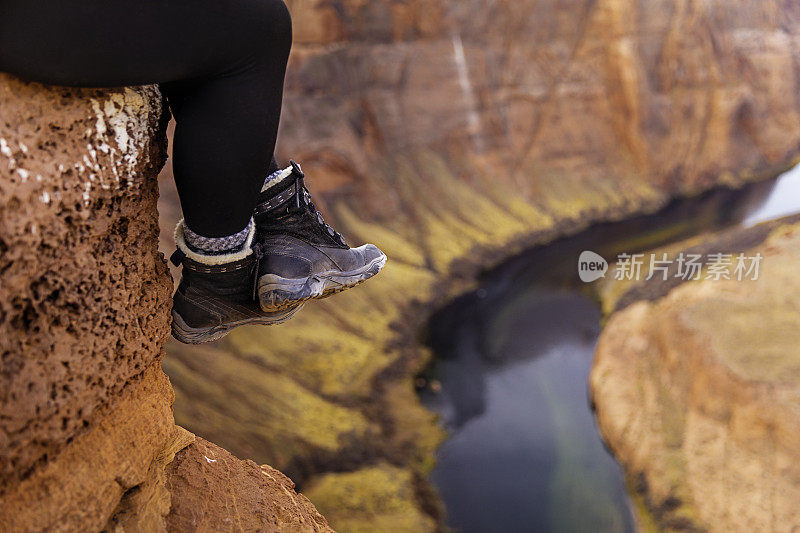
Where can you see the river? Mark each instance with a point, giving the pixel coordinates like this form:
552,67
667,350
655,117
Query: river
509,376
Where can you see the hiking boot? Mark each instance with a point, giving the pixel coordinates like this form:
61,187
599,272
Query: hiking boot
303,256
217,294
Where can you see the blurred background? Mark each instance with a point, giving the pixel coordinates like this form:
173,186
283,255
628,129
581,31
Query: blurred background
483,144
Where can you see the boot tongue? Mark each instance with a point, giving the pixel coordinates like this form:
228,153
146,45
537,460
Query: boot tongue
280,187
286,187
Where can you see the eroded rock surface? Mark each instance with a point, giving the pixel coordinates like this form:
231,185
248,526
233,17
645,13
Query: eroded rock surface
84,296
83,286
87,434
697,394
214,491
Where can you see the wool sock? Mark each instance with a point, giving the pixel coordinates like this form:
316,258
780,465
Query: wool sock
218,245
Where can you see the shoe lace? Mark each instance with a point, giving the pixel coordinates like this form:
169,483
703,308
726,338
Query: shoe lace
258,252
303,198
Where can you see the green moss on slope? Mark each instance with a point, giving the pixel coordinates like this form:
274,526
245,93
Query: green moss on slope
331,390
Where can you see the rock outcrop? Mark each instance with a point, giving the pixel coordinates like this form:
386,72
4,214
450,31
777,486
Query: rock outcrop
697,393
453,133
87,435
212,490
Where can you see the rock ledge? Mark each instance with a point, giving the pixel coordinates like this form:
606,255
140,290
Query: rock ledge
87,435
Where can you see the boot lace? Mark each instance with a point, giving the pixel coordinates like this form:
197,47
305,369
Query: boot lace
303,198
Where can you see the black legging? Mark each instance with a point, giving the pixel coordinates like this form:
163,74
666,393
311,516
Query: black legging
221,64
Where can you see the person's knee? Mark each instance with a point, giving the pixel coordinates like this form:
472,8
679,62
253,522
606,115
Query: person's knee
272,25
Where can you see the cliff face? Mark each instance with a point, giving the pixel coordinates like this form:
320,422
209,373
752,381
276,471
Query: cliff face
88,438
451,133
669,94
84,292
697,392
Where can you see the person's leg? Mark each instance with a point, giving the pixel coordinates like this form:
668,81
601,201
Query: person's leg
221,64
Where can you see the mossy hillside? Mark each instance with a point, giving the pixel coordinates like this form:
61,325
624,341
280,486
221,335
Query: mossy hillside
274,413
332,388
374,498
335,348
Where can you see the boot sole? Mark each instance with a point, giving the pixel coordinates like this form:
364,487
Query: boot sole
189,335
276,293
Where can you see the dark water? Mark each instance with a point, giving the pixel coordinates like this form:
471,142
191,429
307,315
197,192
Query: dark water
512,361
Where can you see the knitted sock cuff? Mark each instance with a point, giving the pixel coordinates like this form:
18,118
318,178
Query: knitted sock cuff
217,245
215,251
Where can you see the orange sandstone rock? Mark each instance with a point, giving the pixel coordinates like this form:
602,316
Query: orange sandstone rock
697,395
87,433
214,491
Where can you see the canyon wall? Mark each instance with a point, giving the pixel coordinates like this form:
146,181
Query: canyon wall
452,134
88,439
697,388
